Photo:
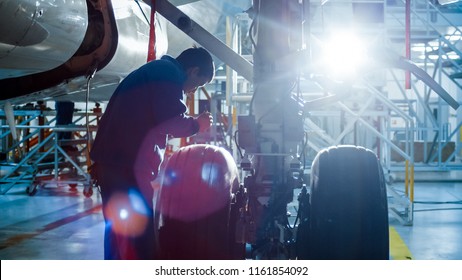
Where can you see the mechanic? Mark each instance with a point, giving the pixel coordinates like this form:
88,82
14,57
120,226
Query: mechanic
128,150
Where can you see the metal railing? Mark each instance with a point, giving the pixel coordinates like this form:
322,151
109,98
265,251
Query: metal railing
39,156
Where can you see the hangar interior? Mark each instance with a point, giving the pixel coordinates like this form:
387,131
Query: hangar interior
385,75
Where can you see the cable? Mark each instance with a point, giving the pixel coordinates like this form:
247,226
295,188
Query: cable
237,145
431,210
254,44
302,152
141,9
438,202
87,116
252,24
271,110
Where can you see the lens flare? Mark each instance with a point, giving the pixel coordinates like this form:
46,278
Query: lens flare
127,214
123,214
169,177
137,202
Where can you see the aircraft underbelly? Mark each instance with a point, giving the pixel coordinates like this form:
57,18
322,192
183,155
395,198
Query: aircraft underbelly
133,38
39,35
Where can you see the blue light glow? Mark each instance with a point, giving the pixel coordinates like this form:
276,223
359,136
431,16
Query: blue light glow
136,202
169,178
210,173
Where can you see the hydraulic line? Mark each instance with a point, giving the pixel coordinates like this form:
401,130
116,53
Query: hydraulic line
87,116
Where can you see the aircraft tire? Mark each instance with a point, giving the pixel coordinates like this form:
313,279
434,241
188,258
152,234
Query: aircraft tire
349,212
197,220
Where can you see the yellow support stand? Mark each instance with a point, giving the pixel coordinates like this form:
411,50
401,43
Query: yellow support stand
409,180
409,190
406,178
411,196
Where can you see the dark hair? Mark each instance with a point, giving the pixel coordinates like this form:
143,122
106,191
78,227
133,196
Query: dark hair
197,57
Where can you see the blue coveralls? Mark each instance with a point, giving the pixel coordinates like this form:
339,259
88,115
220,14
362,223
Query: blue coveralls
128,150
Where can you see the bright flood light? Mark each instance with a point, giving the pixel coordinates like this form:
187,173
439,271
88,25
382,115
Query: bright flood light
342,55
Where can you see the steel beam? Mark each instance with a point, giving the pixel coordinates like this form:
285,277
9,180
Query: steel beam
238,63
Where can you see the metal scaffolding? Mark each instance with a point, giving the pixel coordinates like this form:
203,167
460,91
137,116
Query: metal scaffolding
39,157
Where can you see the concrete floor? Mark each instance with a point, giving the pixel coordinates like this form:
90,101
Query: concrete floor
60,223
436,233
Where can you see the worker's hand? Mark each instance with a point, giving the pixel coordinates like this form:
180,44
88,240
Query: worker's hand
205,120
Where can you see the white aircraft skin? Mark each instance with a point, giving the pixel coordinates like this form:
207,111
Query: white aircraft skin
49,48
37,36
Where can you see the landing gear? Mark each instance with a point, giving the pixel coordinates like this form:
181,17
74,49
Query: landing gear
343,216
